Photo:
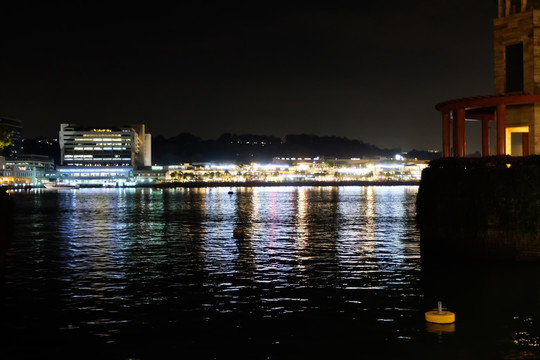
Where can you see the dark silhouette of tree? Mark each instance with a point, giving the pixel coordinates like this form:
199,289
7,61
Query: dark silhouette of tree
247,148
423,155
42,146
5,137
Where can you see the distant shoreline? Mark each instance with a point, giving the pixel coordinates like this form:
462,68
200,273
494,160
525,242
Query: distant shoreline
288,183
210,184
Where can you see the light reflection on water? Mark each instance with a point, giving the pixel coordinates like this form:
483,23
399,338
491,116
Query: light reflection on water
321,270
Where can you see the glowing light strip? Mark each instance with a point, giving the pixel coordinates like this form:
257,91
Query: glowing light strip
103,169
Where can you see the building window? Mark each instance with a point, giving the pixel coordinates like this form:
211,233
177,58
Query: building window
514,68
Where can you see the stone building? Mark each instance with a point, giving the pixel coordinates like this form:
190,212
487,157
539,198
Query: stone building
515,104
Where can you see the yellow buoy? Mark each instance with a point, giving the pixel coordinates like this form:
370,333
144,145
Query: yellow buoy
440,315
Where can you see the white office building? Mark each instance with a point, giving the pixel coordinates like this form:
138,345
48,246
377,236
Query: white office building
92,156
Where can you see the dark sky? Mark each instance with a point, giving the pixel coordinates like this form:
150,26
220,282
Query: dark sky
370,70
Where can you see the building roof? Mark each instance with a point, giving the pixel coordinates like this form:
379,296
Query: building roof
487,102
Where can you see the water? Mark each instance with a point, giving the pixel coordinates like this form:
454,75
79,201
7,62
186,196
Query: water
322,272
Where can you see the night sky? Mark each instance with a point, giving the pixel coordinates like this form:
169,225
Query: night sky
371,70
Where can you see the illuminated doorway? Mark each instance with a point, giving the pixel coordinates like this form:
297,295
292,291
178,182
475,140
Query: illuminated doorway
524,131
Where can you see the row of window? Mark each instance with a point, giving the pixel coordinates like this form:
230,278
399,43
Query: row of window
98,139
90,158
95,174
94,164
94,143
94,148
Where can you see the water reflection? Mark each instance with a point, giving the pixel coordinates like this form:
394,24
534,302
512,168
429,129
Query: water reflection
245,218
219,219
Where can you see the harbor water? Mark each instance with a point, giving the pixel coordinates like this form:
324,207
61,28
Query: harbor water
310,273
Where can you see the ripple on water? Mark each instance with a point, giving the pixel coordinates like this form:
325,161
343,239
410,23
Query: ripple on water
339,266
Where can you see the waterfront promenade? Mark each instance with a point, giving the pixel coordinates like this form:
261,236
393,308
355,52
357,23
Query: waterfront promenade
199,184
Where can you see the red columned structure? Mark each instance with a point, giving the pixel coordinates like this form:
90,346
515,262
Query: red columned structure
516,107
484,109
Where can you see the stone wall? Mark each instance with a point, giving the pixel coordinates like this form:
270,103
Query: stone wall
481,208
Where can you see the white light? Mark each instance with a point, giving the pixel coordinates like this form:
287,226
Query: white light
223,167
353,171
390,166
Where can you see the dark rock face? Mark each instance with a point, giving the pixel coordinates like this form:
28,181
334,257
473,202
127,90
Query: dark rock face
6,224
482,208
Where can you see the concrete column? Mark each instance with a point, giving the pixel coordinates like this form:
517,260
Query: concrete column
446,134
485,137
501,129
534,143
461,150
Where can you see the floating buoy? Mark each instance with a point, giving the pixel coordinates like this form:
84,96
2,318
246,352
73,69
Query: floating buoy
230,192
238,233
440,315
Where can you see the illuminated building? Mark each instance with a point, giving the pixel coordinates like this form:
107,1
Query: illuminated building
298,170
515,106
91,155
29,169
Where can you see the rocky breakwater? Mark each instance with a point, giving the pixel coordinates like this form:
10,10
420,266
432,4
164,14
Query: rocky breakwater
480,208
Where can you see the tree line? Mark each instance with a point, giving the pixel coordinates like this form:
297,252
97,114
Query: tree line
249,148
246,148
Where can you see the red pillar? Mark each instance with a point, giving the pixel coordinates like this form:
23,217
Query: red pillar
501,129
525,144
459,132
446,134
485,137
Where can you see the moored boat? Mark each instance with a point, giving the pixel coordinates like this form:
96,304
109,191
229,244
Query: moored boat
61,186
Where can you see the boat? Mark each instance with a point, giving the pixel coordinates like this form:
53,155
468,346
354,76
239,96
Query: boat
109,184
61,186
